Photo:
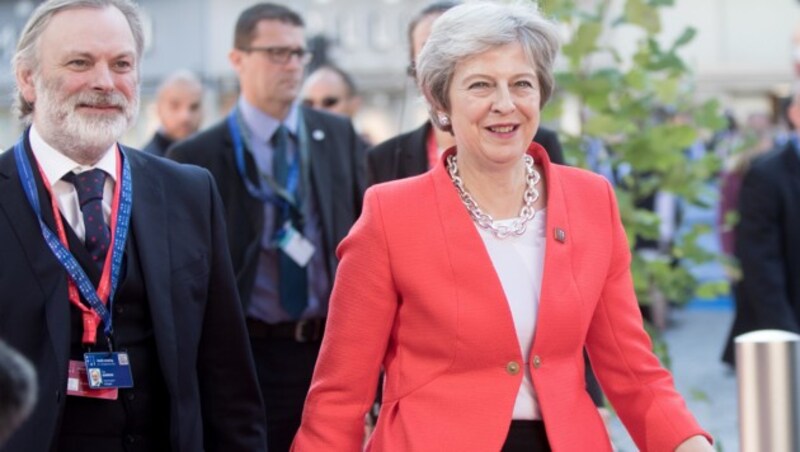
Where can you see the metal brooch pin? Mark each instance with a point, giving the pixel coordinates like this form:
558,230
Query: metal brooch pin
560,235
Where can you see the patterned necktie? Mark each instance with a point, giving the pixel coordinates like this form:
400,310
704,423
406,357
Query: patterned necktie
292,278
89,186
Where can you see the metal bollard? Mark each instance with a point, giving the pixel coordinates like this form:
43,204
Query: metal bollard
768,373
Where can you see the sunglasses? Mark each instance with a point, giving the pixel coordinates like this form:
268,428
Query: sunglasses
325,103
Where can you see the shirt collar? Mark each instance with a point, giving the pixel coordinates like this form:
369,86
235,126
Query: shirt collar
262,126
55,164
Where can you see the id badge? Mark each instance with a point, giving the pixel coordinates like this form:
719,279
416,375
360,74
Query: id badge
108,370
78,383
295,245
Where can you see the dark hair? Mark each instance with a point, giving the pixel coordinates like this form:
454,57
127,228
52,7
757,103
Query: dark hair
249,19
346,78
434,8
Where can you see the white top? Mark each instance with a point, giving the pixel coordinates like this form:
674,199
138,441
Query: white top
519,261
55,165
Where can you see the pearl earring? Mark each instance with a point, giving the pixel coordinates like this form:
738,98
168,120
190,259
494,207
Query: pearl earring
443,119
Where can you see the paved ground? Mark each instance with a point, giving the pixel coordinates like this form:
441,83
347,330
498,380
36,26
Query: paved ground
695,340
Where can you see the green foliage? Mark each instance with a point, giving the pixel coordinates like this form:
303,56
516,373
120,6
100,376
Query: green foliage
641,108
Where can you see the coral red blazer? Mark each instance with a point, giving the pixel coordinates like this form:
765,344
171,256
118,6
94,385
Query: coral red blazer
416,294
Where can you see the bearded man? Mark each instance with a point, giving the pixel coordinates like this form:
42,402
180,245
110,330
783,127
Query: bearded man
105,271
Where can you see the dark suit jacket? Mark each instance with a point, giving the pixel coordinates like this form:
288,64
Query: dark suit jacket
203,350
767,245
337,183
158,145
406,155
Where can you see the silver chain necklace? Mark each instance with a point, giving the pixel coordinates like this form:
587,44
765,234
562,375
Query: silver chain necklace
484,220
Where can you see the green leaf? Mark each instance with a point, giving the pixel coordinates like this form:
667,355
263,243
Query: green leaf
667,90
709,116
713,289
686,37
662,2
699,395
645,16
636,79
605,125
583,42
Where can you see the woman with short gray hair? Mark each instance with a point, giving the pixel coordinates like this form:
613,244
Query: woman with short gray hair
477,285
490,27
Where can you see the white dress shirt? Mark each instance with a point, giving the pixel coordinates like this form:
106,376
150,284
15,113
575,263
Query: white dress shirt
519,263
55,165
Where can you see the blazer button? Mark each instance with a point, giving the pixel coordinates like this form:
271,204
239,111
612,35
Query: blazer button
537,362
512,368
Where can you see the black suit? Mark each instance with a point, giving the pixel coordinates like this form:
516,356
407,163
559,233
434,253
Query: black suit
213,401
337,179
767,245
406,155
158,145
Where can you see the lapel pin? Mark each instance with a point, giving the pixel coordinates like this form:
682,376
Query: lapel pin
560,234
318,135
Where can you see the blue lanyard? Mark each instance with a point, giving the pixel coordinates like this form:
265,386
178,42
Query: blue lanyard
67,260
284,198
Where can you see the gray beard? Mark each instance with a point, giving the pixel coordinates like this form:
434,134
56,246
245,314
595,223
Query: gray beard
82,138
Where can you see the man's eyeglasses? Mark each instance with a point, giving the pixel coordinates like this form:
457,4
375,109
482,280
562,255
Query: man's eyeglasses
326,102
282,55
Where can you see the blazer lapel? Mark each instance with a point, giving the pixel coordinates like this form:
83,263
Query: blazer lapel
479,291
52,290
149,223
559,315
322,183
559,302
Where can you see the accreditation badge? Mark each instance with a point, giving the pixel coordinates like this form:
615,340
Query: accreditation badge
297,247
78,383
108,370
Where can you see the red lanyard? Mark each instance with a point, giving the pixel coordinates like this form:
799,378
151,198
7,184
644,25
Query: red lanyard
90,318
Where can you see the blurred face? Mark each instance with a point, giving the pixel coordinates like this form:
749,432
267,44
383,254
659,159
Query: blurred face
85,89
420,34
494,99
180,109
793,113
325,90
268,85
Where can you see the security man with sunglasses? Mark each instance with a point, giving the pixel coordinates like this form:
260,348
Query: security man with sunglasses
292,181
331,89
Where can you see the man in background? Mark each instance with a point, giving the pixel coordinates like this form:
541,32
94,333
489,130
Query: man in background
331,89
766,242
179,106
114,259
292,181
